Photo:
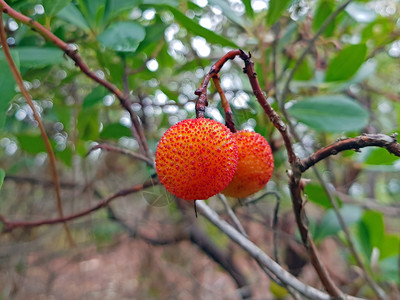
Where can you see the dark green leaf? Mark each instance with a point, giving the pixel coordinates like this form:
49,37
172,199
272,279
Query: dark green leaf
37,57
346,63
72,15
374,222
304,72
123,36
31,143
115,131
2,176
96,96
52,7
154,34
196,29
324,9
88,124
7,88
316,194
275,10
331,113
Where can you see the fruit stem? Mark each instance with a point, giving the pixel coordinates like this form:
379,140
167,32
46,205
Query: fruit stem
229,122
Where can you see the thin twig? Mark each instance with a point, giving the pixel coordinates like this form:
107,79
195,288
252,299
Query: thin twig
11,225
327,21
49,149
367,140
232,215
230,123
136,128
262,257
131,154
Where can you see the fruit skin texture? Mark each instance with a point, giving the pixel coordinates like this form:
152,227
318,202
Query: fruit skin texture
196,158
255,165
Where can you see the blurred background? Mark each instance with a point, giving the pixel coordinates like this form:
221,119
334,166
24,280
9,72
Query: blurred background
145,245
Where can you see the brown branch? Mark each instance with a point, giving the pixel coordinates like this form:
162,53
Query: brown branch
273,116
136,128
202,102
367,140
131,154
49,149
294,179
8,225
230,123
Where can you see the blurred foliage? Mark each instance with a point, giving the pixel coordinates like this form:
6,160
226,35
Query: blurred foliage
159,51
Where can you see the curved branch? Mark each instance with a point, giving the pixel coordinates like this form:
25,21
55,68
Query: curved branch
11,225
367,140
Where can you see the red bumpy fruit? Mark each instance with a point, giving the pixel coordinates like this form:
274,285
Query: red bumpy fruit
255,165
196,158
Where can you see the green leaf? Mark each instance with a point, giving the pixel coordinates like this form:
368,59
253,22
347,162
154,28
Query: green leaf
72,15
88,124
376,227
380,156
228,12
275,10
38,57
248,8
324,9
122,36
316,194
154,34
96,96
330,113
115,131
389,246
2,176
346,63
31,143
390,268
52,7
196,29
329,224
304,71
7,87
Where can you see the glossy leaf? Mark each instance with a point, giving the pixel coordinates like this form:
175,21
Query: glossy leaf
196,29
228,12
330,113
122,36
275,10
346,63
360,13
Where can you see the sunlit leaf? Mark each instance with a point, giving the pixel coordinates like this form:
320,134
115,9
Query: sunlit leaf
196,29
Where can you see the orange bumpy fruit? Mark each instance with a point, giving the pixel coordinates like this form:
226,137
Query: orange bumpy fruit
196,158
255,165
